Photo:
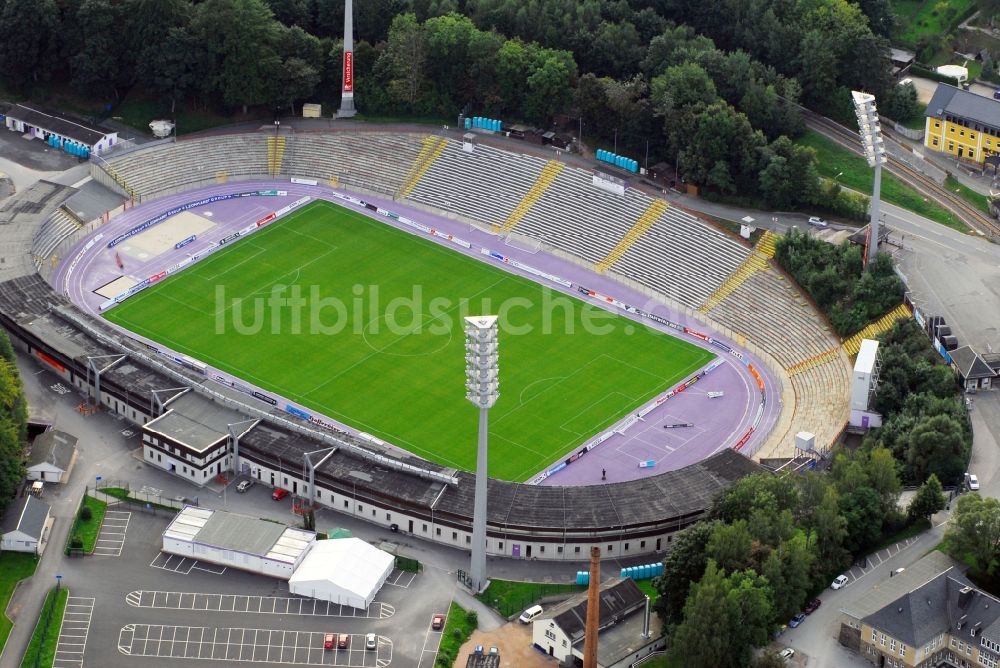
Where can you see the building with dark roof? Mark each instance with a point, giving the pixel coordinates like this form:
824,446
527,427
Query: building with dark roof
962,124
25,525
64,130
974,372
52,456
627,630
936,618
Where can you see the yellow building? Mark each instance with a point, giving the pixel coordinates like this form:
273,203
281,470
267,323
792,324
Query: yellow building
962,124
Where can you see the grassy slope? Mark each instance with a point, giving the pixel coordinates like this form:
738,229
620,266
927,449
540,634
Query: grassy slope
833,159
923,19
456,621
46,653
14,567
560,384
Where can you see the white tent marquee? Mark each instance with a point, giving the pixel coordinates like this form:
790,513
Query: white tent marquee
346,571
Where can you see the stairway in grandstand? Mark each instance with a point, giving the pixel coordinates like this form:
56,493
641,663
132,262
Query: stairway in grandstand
275,154
814,361
431,150
542,183
757,261
642,225
119,180
875,329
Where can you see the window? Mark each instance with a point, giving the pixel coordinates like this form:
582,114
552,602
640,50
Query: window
438,532
468,539
454,535
564,643
559,549
892,644
642,544
626,547
388,517
874,635
346,505
360,508
550,635
934,142
882,639
902,649
501,546
576,550
541,548
424,529
610,547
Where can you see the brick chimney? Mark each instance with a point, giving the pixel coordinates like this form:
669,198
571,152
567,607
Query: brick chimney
593,610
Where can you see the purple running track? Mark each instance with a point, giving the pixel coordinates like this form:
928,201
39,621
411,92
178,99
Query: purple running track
718,423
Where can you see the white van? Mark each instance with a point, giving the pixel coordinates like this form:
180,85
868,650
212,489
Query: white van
530,614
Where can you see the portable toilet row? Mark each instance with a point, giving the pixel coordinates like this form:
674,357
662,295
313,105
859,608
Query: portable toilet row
480,123
583,577
79,150
618,160
643,572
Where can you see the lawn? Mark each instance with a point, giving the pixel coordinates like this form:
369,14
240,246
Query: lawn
137,111
124,495
45,651
371,334
977,200
87,530
510,596
14,567
457,628
925,18
851,171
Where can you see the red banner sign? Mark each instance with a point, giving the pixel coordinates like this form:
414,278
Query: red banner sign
51,362
348,71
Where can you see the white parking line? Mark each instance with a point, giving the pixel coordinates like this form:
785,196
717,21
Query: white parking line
73,632
111,537
249,646
265,605
400,578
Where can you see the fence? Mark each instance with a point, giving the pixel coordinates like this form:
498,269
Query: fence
526,594
144,498
408,564
44,621
69,550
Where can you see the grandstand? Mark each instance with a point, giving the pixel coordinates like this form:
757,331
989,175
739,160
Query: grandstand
663,250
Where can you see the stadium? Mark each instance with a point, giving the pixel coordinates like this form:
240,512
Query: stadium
229,307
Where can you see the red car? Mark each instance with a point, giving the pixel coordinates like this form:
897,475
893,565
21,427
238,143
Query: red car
343,641
279,494
812,606
328,641
437,623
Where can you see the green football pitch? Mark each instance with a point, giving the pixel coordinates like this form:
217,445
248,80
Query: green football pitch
363,323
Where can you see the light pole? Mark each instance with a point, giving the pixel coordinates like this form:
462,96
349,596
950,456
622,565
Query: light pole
874,150
347,109
482,388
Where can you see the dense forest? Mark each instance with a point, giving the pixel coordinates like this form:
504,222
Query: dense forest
666,78
13,423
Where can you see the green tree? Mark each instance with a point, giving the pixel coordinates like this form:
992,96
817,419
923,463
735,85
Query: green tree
928,500
549,89
405,57
683,565
99,62
788,570
936,445
13,429
830,533
974,532
900,102
240,36
29,44
882,476
6,349
739,603
730,546
862,509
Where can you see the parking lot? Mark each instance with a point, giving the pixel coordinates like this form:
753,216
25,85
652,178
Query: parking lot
111,538
876,559
263,605
184,565
248,646
73,633
400,578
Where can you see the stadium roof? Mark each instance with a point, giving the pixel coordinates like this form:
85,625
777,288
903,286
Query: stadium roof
239,533
194,421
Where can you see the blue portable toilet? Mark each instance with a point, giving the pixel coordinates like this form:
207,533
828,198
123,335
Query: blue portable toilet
582,578
659,568
647,571
634,573
600,154
635,165
622,573
475,121
468,123
618,160
496,124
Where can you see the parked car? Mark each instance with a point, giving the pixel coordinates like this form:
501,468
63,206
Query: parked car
437,623
816,221
839,582
370,641
530,614
328,641
343,641
278,494
812,606
796,620
244,486
786,653
972,482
